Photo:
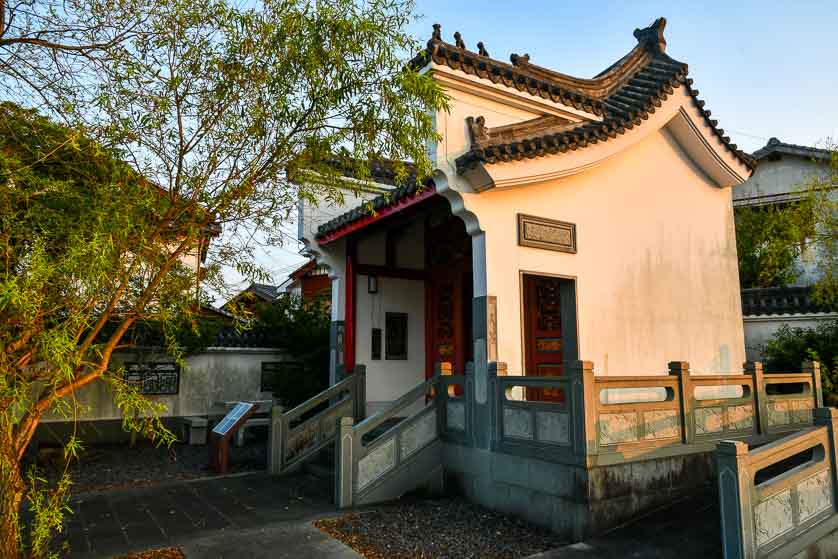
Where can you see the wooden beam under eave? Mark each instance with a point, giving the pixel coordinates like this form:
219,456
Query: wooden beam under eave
390,272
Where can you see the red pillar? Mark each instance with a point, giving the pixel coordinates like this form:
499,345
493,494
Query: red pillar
349,318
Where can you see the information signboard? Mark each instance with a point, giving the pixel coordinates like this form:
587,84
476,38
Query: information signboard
225,425
223,431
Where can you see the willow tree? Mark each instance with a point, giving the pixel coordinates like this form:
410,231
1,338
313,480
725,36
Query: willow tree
53,53
196,131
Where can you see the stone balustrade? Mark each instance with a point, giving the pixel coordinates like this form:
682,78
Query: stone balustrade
779,499
581,418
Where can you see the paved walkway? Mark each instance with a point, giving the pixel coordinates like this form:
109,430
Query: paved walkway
258,516
245,516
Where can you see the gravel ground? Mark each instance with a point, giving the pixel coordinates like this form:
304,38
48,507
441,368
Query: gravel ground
167,553
445,528
118,466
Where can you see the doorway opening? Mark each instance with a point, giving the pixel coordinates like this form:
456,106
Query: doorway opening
550,332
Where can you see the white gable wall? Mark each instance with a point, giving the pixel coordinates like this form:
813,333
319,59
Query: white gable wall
656,267
498,104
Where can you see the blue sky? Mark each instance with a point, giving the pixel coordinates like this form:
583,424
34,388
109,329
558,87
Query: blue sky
765,69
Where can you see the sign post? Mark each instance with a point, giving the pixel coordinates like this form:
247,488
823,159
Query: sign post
223,432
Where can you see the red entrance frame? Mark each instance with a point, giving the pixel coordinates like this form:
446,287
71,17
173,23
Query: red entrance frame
349,315
350,289
427,192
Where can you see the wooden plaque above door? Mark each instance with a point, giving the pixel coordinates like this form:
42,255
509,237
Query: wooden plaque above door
549,234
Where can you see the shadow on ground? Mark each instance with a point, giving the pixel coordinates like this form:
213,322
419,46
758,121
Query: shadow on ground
687,529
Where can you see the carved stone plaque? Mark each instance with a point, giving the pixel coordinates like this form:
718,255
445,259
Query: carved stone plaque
549,234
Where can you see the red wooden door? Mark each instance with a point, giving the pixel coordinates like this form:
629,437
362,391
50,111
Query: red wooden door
448,303
544,350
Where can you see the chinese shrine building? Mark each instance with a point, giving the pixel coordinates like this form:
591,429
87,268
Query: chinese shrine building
567,283
567,219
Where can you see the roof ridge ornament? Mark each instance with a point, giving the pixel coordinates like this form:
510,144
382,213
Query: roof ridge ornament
481,50
478,130
652,37
436,38
521,60
458,40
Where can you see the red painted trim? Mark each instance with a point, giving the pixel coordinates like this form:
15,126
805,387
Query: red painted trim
362,222
429,313
349,318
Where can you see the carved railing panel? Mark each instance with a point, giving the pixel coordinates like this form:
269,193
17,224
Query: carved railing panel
535,428
636,410
304,430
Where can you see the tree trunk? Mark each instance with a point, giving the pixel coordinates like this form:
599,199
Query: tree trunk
12,489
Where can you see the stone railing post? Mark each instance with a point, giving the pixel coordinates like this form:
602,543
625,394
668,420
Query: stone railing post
485,403
344,462
275,444
681,370
828,417
440,394
443,369
754,368
360,395
735,500
814,369
468,399
583,407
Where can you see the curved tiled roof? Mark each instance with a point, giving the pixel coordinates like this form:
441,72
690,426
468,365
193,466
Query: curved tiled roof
627,92
518,75
410,188
621,97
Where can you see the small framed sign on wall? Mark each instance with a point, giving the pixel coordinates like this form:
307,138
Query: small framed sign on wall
375,353
395,332
548,234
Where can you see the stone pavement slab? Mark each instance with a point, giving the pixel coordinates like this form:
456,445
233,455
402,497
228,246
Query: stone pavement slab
116,522
276,541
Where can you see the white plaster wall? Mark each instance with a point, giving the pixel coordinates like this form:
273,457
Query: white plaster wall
656,268
760,329
387,380
218,374
452,124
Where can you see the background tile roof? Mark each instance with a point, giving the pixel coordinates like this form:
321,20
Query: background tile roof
775,146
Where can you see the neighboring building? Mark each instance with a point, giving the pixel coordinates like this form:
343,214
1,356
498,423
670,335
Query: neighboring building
309,281
782,171
256,294
567,218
